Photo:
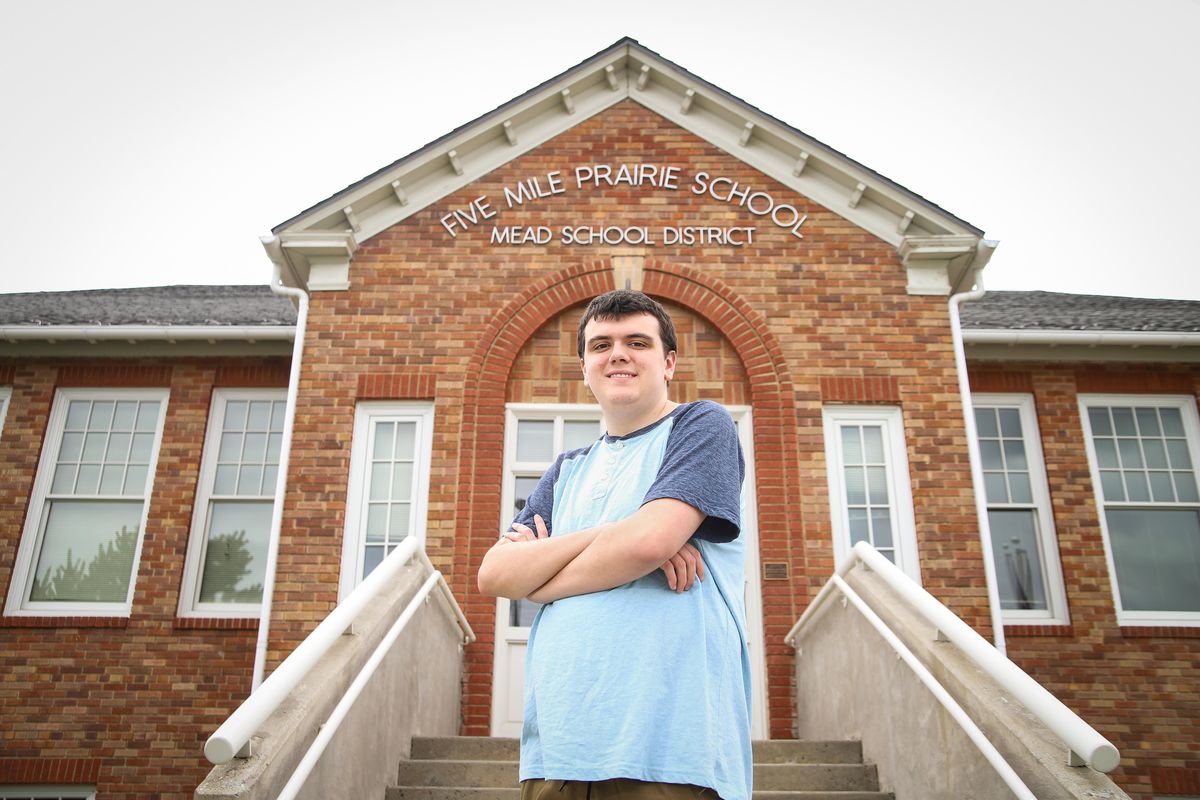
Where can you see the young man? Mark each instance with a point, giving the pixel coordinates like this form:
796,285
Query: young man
637,678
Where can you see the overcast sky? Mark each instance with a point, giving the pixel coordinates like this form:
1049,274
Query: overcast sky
150,143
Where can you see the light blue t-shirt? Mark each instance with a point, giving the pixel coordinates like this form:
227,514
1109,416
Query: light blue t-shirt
640,681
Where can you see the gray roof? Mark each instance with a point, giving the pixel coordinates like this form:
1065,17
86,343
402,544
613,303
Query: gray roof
1079,312
156,305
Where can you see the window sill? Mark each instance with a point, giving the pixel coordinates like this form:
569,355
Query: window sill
216,623
1025,631
64,622
1159,632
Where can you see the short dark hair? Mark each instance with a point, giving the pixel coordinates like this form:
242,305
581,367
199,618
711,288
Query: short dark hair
622,303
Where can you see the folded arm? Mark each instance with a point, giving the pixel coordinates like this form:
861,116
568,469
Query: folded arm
515,566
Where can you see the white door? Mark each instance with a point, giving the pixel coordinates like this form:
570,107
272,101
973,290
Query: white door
534,435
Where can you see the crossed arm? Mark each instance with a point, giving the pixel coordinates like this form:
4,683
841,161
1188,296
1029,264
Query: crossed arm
544,569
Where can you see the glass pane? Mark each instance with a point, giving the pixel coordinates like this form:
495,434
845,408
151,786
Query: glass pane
996,487
89,479
250,481
1147,422
524,488
860,530
87,552
235,556
142,444
255,448
93,446
1155,452
535,440
147,419
989,451
118,448
406,439
881,528
856,486
235,415
372,557
274,443
278,411
1177,451
112,478
125,416
64,479
270,478
1014,454
579,434
77,415
1185,487
877,479
72,446
226,482
398,526
1019,489
385,433
402,479
1136,485
1101,425
852,452
259,418
1106,453
1123,421
985,422
873,444
1010,423
380,477
1157,557
1172,421
522,612
1162,490
376,522
1131,454
102,411
1110,482
135,479
1018,560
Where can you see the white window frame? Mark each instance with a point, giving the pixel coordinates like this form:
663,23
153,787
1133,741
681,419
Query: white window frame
1056,612
1191,428
193,570
31,536
366,415
903,519
48,792
5,399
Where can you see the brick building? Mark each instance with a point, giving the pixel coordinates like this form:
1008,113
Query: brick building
142,429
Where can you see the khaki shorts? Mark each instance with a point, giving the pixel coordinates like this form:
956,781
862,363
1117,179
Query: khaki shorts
623,788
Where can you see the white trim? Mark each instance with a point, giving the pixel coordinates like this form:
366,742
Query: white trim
903,519
193,570
1084,338
5,400
31,536
56,791
1191,427
140,333
366,415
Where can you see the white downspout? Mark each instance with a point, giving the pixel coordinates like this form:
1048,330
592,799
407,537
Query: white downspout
964,388
285,450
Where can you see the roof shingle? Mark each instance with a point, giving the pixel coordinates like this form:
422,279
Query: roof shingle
156,305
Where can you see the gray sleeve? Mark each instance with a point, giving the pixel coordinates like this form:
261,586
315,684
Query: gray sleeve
541,500
703,467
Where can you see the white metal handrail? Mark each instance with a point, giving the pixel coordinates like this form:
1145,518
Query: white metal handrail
1085,744
235,732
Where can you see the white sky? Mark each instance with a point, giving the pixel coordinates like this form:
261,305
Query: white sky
149,143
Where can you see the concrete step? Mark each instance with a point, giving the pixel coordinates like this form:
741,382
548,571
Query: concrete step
464,793
775,751
469,774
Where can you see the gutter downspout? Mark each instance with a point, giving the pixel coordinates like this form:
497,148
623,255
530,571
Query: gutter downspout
289,418
964,388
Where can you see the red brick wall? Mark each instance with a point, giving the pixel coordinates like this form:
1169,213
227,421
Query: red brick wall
121,703
800,316
1139,686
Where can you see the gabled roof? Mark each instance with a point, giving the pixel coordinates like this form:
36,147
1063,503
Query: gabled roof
1079,312
333,228
153,306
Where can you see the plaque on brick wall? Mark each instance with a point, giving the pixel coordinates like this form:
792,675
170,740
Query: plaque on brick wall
775,571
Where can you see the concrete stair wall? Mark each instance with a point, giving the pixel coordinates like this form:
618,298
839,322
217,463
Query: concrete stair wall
480,768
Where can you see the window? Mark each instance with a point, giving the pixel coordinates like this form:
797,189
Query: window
535,436
1024,545
388,495
1143,451
83,531
5,397
870,497
32,792
231,522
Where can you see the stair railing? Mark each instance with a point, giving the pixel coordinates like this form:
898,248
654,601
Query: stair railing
1085,745
233,736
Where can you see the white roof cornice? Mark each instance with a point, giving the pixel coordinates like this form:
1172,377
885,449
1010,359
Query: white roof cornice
626,70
